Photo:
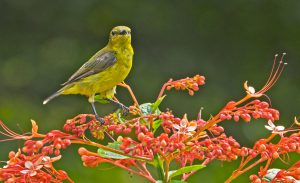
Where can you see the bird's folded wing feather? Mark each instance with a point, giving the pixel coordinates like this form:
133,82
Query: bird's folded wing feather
96,64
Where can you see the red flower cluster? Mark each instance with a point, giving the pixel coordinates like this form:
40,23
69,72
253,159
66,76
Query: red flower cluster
256,109
278,175
53,142
270,150
149,136
34,168
190,84
86,122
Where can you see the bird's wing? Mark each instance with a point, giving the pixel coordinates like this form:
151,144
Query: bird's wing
96,64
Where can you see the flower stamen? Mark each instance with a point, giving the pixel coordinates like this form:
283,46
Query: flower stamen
274,76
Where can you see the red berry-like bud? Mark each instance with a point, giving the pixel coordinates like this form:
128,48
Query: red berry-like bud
163,143
67,142
275,155
191,92
253,177
39,144
264,105
257,181
10,180
57,152
111,127
25,149
223,116
297,171
11,154
230,105
58,140
58,146
82,151
244,151
118,129
127,150
236,118
228,117
141,136
127,130
262,147
195,87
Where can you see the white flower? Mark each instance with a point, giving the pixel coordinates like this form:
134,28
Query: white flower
251,90
273,128
185,127
31,168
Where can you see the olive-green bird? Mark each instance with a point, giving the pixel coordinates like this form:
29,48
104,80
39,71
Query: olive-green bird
101,73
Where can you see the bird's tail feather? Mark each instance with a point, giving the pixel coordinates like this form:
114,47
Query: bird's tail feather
56,94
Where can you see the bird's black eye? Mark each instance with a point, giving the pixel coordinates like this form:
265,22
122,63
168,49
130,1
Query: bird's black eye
113,33
123,32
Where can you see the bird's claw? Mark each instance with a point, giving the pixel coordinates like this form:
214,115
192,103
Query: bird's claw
100,120
125,110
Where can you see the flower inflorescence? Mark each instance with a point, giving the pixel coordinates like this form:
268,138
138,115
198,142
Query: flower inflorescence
150,136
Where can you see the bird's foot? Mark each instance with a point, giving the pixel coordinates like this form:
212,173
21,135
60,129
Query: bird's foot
125,110
100,119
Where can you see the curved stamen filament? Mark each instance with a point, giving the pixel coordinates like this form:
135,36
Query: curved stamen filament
274,75
11,134
273,67
7,132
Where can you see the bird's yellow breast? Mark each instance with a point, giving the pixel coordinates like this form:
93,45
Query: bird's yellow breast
105,81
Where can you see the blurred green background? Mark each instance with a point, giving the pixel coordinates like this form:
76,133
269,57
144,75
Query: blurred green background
43,42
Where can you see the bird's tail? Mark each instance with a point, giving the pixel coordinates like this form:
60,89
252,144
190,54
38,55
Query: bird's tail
56,94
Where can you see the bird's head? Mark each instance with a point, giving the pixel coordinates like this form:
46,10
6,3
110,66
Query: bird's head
120,35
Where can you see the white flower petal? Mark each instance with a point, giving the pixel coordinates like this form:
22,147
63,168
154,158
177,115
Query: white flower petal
176,126
24,171
28,164
46,158
48,165
271,124
32,173
191,128
251,89
269,128
279,128
188,134
38,167
183,123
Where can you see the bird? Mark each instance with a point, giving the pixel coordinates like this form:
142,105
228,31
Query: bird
103,71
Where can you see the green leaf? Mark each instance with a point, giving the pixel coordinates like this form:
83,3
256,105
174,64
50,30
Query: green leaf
146,108
271,174
120,116
183,170
114,145
151,108
159,164
108,154
156,124
155,105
